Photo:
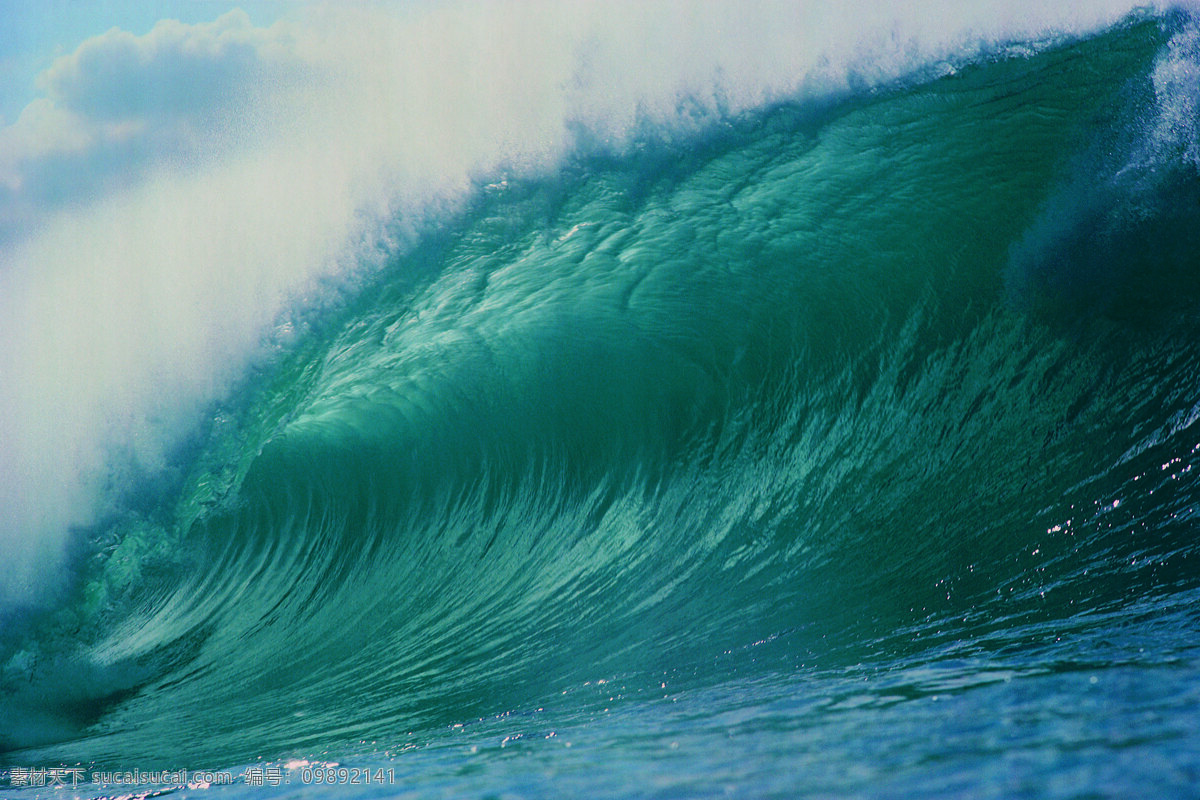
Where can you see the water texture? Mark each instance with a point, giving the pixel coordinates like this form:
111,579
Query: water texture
840,447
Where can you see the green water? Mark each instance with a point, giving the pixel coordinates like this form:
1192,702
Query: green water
843,450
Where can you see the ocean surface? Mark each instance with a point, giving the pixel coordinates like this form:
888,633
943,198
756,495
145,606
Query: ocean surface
839,446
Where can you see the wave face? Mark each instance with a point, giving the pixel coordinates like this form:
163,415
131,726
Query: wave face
839,448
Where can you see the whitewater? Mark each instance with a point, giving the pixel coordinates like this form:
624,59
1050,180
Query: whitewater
679,400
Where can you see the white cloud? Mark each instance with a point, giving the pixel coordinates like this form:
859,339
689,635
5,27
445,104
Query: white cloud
174,72
122,104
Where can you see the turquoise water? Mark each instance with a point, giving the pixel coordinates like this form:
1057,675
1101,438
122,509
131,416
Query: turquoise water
841,448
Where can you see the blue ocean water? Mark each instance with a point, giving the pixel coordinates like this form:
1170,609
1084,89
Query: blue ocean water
837,447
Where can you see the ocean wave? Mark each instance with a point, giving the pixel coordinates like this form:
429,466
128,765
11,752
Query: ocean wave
898,382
